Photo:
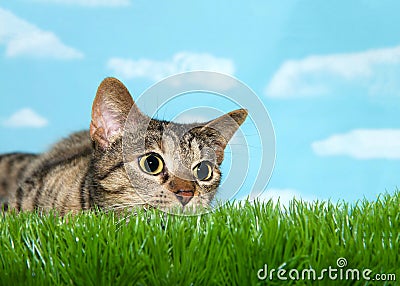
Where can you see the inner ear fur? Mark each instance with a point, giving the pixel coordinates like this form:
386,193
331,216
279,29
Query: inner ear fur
227,124
110,109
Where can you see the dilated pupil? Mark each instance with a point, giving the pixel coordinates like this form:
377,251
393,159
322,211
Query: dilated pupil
151,163
202,171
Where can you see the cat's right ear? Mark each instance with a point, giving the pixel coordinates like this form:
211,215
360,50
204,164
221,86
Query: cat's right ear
109,112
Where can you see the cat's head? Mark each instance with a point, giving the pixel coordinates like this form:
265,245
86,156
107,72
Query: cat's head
140,160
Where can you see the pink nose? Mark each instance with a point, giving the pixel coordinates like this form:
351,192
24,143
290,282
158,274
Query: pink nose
184,196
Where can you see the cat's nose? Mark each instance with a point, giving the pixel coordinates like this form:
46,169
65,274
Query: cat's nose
184,196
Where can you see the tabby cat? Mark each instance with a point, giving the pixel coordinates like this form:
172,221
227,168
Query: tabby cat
178,166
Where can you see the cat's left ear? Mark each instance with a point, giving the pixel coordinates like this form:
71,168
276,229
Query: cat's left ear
110,110
227,124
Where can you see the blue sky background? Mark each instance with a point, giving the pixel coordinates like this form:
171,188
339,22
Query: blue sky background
329,75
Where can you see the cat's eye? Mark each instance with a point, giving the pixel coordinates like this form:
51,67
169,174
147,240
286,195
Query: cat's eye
203,171
151,164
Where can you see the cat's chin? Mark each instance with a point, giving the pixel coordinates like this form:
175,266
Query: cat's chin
193,209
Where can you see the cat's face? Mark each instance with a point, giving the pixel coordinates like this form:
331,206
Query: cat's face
164,164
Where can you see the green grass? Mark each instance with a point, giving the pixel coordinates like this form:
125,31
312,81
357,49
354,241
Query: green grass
226,247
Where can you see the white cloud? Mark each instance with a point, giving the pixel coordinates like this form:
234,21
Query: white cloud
25,39
284,196
180,62
361,144
315,75
89,3
25,117
191,118
204,80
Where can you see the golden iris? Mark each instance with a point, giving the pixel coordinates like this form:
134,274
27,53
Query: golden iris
151,164
203,171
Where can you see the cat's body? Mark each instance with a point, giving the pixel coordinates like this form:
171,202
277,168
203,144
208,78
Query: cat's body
177,165
12,170
52,180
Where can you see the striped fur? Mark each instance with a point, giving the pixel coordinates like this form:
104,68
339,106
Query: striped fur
89,170
12,169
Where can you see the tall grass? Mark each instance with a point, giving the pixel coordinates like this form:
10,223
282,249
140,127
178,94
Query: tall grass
226,247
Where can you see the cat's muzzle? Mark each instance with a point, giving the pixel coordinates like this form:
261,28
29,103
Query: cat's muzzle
184,196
